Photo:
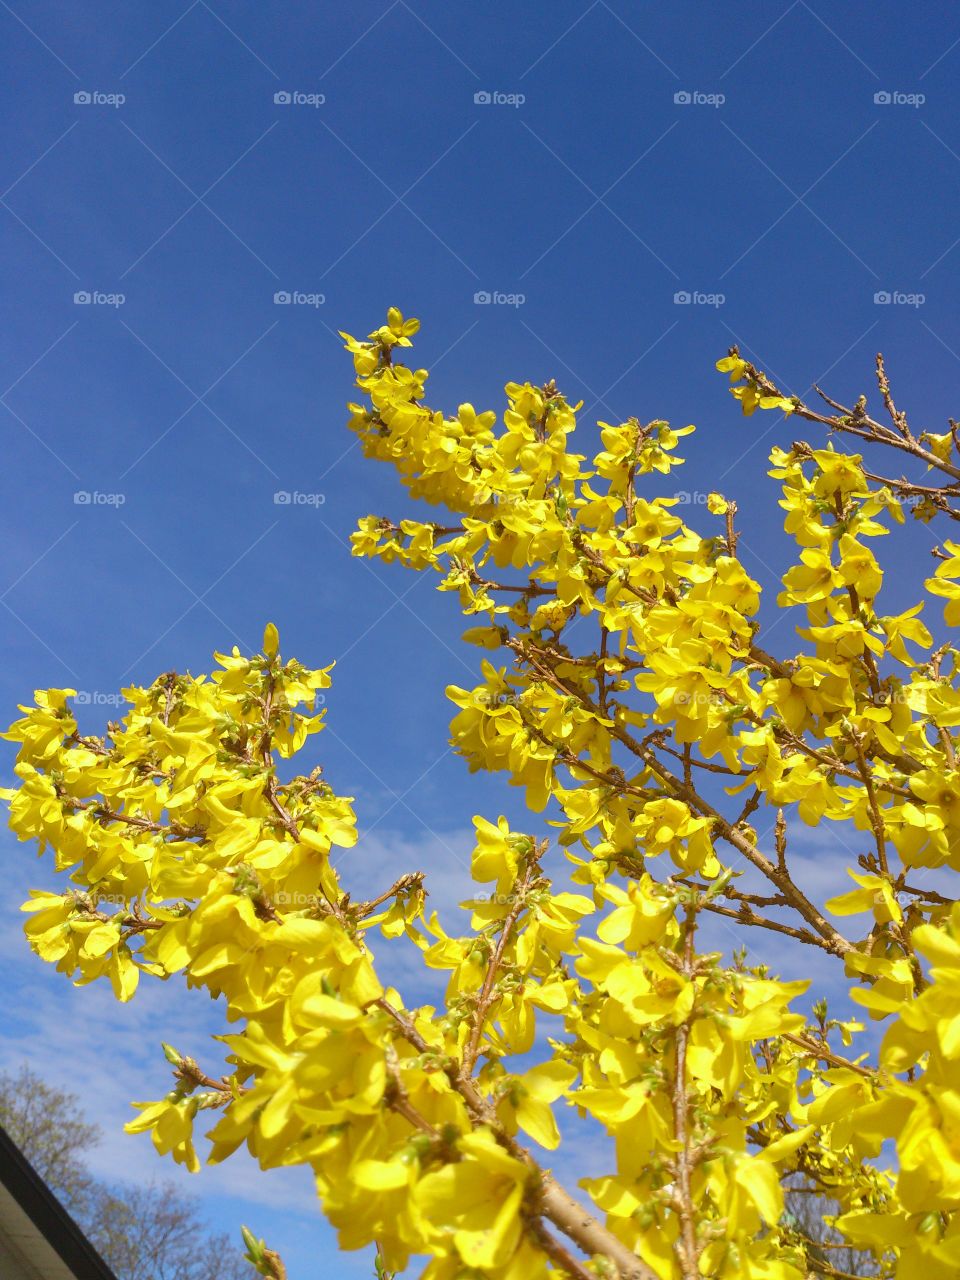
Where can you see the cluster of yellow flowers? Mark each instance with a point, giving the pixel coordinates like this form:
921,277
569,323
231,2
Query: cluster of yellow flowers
638,711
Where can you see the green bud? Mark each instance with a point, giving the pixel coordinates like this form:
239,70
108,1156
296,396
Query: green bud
254,1246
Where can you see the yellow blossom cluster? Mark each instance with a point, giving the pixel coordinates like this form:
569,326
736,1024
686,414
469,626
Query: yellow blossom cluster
624,687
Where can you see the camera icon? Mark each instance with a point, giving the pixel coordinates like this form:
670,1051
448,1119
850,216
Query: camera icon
82,498
682,298
282,98
82,98
281,298
682,98
281,498
482,298
883,98
82,698
482,98
82,298
682,496
882,299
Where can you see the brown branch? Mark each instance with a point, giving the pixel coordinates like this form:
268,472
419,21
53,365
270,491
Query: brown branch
602,670
271,787
103,811
732,535
266,756
939,495
277,1269
486,997
558,1253
836,765
747,916
778,875
822,1268
531,589
707,765
727,831
630,494
556,1204
687,1248
169,684
854,421
96,745
188,1072
395,1096
899,419
760,656
867,658
412,880
825,1054
876,818
780,839
930,895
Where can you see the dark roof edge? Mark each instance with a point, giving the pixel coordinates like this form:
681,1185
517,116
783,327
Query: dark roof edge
47,1213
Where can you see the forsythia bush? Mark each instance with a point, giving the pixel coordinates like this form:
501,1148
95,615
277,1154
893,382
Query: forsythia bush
673,759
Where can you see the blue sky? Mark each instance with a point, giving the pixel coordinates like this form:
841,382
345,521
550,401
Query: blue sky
737,154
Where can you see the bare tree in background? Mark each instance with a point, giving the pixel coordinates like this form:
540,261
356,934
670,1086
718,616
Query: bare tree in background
46,1127
178,1244
827,1253
143,1233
